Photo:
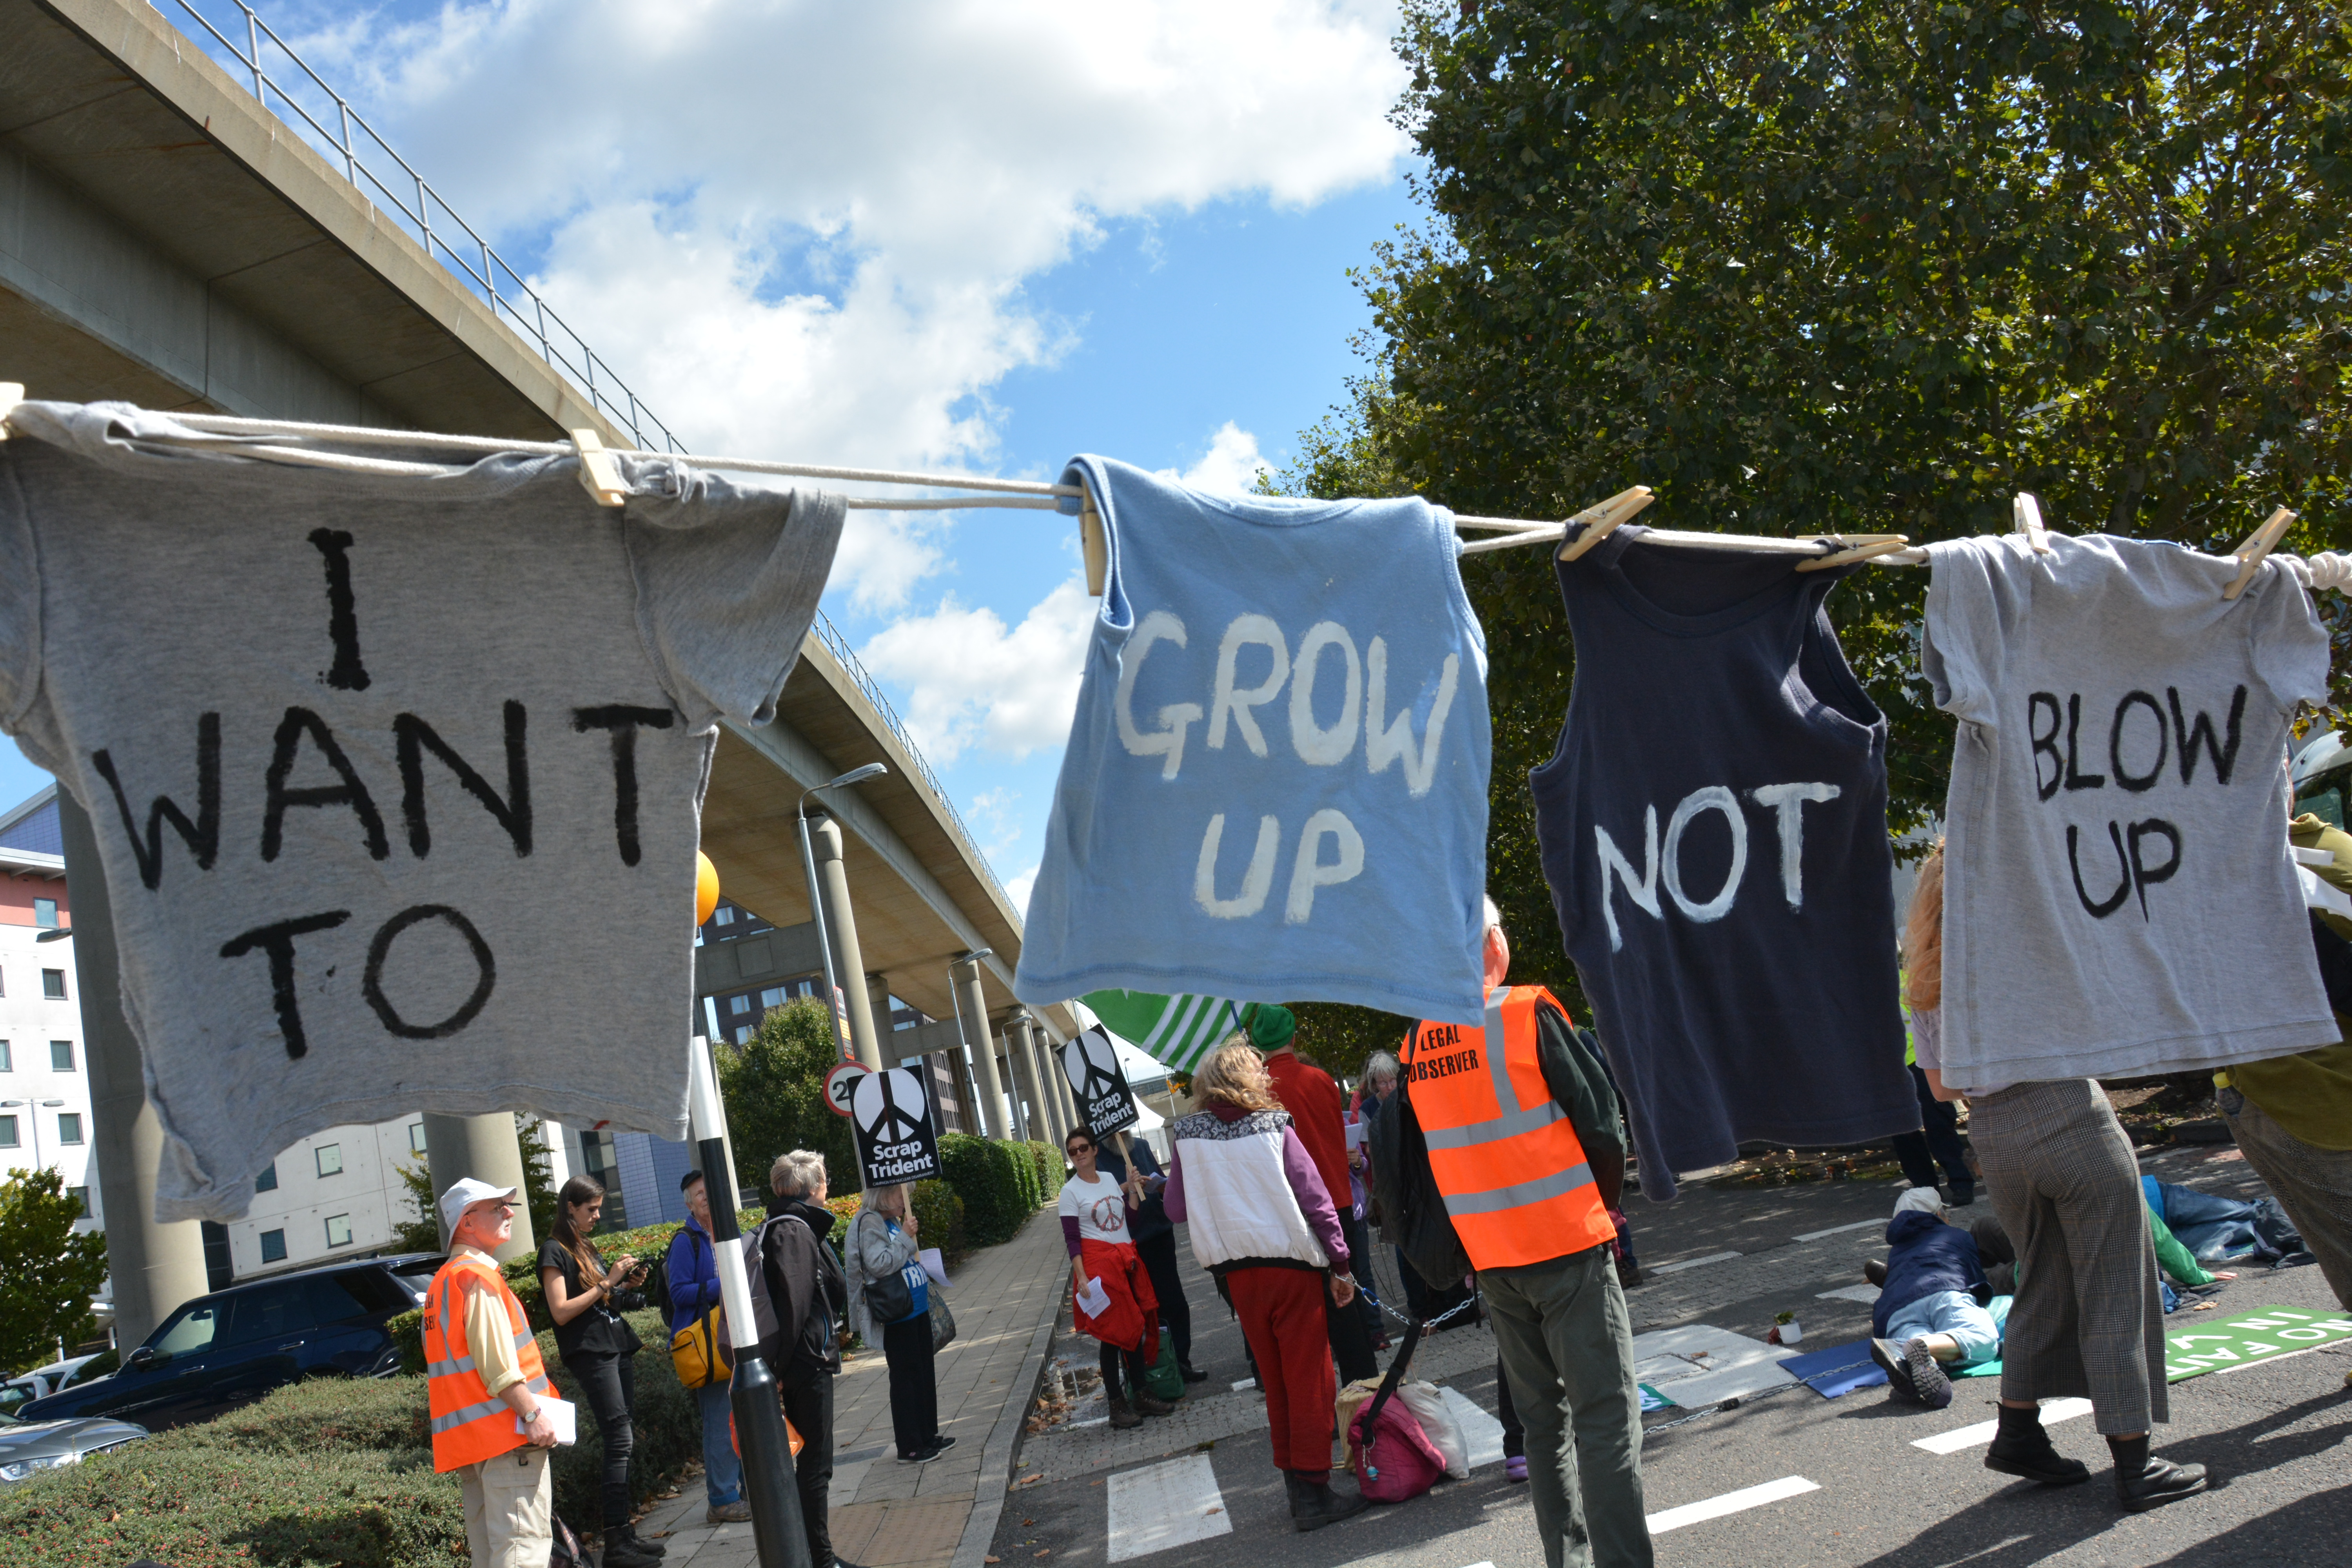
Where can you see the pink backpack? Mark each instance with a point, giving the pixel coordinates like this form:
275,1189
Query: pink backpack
1399,1461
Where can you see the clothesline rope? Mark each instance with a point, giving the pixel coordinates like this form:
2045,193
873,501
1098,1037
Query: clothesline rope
2324,571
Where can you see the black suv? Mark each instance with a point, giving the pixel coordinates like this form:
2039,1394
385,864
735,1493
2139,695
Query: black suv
230,1348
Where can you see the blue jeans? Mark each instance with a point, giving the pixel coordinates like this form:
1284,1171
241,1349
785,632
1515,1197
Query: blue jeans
2214,1227
722,1473
1953,1312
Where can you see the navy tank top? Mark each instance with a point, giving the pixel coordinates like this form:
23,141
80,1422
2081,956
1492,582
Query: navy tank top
1714,832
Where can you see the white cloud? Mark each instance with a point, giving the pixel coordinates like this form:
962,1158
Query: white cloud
1017,888
803,229
1230,467
972,681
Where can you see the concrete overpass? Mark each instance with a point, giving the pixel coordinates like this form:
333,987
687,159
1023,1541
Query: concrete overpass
167,239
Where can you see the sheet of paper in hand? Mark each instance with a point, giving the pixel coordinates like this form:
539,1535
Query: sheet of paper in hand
396,780
1275,786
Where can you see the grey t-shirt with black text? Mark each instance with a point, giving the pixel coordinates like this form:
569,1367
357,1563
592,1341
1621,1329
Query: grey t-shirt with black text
2118,895
396,780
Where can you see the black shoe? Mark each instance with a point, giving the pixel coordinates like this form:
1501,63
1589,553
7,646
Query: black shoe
1314,1504
1897,1366
1927,1379
1873,1270
620,1552
1191,1373
2144,1481
940,1444
660,1549
1958,1194
2022,1448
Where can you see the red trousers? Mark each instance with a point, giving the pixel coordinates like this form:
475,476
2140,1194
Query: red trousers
1281,1311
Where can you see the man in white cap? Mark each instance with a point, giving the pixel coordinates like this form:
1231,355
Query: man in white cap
485,1381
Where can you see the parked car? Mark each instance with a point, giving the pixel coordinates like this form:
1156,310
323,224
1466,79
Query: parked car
42,1380
230,1348
29,1448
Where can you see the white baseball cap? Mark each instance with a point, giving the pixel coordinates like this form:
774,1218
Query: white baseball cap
1927,1200
466,1193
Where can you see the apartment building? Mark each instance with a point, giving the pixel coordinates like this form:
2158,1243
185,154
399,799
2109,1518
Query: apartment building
45,1117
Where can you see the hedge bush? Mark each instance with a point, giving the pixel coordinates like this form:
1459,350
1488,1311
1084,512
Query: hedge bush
997,1184
1051,1170
335,1470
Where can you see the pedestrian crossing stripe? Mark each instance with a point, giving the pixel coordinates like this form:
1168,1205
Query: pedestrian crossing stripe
2239,1342
1177,1030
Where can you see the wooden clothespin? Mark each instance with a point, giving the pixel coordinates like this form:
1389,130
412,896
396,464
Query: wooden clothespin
2258,544
1868,545
1094,542
2027,513
599,475
12,392
1600,521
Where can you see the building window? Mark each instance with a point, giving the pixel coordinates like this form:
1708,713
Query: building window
724,915
740,1003
773,996
45,913
81,1197
7,1132
743,1033
330,1160
273,1247
61,1056
52,984
417,1138
267,1181
7,1062
69,1127
339,1230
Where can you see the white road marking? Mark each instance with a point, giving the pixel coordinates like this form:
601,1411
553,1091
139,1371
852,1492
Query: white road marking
1173,1503
1865,1294
1246,1382
1731,1502
1840,1229
1482,1434
1961,1438
1694,1263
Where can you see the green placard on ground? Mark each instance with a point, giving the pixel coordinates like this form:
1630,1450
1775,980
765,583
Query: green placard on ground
2220,1342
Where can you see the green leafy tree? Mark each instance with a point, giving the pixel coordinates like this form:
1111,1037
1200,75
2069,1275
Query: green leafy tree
421,1231
1812,268
1340,1038
773,1085
47,1274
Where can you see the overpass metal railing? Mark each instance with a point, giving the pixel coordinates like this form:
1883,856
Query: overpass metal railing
838,646
326,120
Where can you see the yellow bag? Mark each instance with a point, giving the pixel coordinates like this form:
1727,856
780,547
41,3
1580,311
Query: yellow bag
699,1352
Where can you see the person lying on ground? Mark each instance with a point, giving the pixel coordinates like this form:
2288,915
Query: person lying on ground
1929,1313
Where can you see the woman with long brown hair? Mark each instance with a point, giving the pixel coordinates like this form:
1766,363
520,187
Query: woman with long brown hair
594,1343
1262,1223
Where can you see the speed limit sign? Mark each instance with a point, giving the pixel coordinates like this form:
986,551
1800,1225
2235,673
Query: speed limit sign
840,1084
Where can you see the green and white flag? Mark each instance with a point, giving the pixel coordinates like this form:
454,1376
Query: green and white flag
1177,1030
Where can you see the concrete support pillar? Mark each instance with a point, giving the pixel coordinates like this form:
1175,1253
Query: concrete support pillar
1058,1082
971,1013
154,1267
848,958
877,998
1025,1078
483,1147
1049,1119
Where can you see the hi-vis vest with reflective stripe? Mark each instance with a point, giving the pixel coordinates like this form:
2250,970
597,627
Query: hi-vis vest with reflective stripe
468,1425
1504,1153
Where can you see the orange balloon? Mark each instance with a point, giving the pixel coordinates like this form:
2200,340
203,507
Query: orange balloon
706,887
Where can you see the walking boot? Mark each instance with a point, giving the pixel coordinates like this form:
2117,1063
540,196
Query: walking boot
1189,1373
2143,1481
2021,1447
1927,1378
1123,1415
1319,1503
659,1548
1152,1405
1295,1489
1892,1361
621,1552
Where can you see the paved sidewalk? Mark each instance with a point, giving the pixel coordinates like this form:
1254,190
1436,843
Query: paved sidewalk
886,1514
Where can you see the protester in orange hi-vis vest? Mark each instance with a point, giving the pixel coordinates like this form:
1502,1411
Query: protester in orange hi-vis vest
485,1381
1522,1138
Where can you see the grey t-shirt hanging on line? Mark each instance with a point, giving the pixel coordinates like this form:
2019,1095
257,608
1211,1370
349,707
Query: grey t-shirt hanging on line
2119,897
396,780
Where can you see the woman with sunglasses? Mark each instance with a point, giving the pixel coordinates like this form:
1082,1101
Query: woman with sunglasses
1102,1252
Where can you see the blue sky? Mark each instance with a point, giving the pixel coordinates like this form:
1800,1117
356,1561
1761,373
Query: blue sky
967,234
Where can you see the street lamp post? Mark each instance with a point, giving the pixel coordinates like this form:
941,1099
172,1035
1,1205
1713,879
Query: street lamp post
832,1001
35,1107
